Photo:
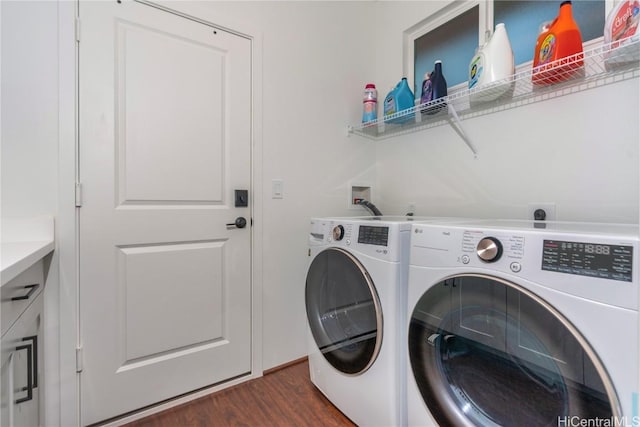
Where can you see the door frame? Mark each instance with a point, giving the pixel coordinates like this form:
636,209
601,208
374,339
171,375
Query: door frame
66,411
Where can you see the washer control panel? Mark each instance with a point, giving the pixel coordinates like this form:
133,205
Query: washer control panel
373,235
385,240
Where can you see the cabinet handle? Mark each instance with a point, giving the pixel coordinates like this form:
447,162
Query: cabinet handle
29,387
34,360
32,289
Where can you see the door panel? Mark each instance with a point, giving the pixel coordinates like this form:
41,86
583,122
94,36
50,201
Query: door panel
170,116
155,270
165,138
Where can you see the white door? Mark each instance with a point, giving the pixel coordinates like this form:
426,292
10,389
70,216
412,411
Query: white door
165,139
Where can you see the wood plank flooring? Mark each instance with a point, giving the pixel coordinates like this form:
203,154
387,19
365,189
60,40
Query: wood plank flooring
285,397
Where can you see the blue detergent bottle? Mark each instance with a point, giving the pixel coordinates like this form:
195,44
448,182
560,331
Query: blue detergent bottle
399,99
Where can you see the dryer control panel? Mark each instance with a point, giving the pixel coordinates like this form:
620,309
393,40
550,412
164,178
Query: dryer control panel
589,263
599,260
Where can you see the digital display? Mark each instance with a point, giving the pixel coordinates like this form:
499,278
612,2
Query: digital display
613,262
371,235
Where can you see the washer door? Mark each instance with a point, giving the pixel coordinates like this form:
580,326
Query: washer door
486,352
344,311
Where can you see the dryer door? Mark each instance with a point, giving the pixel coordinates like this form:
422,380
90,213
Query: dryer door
344,311
486,352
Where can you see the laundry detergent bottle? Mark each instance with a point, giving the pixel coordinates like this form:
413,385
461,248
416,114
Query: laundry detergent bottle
559,41
438,90
492,68
399,99
427,90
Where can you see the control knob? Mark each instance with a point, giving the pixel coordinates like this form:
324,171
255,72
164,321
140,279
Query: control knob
338,233
489,249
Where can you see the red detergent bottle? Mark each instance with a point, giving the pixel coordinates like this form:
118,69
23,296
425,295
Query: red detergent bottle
558,55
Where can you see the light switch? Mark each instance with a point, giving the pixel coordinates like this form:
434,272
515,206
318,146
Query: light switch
277,189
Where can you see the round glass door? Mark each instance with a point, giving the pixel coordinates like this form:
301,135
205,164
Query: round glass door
343,311
485,352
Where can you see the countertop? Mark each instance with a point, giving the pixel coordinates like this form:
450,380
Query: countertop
24,242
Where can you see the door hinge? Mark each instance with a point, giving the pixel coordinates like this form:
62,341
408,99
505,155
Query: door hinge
77,29
79,359
78,194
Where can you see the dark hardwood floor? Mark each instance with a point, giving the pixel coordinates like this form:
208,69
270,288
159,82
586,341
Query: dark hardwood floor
284,397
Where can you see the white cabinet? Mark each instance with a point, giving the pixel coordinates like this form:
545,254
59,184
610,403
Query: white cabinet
25,258
21,376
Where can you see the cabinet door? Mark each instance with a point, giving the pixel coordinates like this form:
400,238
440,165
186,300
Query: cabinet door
21,376
19,293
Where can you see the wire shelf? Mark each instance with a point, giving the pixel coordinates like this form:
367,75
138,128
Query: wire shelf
605,64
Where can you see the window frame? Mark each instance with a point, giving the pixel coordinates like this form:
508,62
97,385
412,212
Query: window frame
430,23
485,29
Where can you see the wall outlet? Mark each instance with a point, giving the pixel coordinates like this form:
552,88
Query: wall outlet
549,208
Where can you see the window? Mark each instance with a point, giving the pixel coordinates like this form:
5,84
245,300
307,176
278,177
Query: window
454,43
523,18
453,34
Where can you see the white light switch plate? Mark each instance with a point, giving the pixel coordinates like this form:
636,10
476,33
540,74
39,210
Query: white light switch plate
277,189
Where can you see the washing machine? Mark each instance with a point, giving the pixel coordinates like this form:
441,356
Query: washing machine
355,296
514,323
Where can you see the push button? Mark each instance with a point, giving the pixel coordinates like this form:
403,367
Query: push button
516,267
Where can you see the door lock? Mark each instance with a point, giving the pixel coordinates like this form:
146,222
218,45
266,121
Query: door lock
241,198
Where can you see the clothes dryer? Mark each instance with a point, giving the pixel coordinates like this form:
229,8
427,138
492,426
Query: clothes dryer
515,323
355,301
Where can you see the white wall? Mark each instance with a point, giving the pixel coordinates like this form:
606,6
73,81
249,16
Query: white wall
317,57
29,142
579,151
316,63
29,108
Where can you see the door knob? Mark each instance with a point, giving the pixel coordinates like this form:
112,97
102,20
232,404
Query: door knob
240,222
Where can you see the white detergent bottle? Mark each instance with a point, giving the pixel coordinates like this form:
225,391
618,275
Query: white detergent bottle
492,68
